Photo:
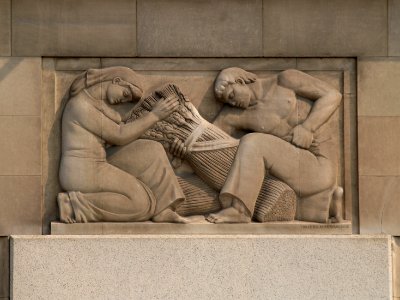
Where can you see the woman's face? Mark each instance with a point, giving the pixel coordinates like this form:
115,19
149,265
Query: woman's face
237,94
122,91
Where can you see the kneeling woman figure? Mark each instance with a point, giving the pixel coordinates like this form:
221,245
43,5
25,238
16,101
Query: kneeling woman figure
97,190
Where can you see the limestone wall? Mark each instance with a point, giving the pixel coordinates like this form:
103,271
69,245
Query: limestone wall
105,29
300,32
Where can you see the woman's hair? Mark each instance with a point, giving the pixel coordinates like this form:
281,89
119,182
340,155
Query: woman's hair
95,76
229,76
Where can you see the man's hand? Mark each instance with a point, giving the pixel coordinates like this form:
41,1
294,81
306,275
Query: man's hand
178,148
165,107
302,137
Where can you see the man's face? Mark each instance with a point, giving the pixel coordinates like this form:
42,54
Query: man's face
121,91
237,94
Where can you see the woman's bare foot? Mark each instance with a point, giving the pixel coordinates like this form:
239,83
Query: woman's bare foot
228,215
169,216
65,207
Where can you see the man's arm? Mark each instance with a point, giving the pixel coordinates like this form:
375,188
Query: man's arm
230,120
326,101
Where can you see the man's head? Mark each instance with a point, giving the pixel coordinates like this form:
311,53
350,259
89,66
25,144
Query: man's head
231,86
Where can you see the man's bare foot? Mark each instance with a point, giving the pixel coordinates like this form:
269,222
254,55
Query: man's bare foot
65,207
337,206
228,215
169,216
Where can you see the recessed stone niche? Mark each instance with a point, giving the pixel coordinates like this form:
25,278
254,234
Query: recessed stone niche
195,78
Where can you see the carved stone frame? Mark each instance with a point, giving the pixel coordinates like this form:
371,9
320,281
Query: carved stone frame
57,73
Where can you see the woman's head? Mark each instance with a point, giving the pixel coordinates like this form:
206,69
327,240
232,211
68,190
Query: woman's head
231,86
121,84
121,91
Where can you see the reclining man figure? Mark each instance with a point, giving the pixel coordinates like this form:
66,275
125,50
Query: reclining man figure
290,140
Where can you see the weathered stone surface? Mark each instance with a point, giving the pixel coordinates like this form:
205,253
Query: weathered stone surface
216,162
200,64
390,212
20,86
20,147
378,146
20,205
378,81
4,268
252,267
74,28
350,143
194,76
396,267
320,28
394,28
75,64
377,196
199,28
313,64
294,227
346,65
5,27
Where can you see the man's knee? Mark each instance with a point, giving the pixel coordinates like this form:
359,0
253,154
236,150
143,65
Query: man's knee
259,139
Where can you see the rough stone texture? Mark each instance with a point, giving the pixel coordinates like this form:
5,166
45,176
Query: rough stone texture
200,64
54,91
378,86
74,28
294,227
20,205
199,28
396,266
4,267
20,152
20,86
379,204
320,28
74,64
193,76
394,28
5,27
209,267
20,149
378,146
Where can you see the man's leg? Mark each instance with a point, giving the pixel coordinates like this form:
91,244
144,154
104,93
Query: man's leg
260,153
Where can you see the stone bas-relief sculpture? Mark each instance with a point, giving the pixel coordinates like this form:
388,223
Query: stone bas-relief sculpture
266,157
97,190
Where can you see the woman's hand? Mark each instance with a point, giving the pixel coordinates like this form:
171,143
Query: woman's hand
178,148
302,137
165,107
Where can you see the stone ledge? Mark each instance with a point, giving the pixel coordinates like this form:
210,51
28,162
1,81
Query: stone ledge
201,267
295,227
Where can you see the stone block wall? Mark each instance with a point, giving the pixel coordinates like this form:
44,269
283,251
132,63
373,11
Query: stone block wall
368,30
30,30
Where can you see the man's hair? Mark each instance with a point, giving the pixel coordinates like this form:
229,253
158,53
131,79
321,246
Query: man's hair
229,76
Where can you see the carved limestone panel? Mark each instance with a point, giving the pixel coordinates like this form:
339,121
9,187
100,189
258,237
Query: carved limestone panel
200,141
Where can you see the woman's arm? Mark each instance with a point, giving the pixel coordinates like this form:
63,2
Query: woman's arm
96,122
